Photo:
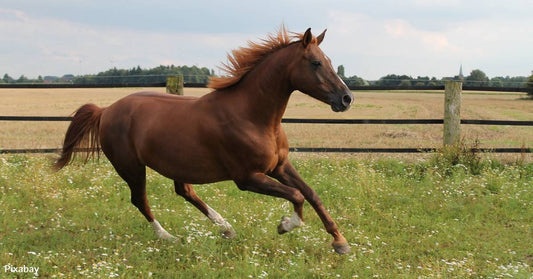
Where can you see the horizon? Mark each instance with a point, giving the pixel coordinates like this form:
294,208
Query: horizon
413,78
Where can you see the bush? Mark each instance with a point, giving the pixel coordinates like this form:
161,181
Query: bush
461,155
529,85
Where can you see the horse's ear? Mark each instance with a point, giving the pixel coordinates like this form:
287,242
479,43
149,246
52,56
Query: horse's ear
307,38
320,37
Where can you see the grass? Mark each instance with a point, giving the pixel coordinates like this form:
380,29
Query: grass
433,218
448,215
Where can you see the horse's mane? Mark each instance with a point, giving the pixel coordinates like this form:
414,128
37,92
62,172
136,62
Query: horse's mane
243,59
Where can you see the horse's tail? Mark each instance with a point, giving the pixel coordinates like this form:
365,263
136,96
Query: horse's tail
82,135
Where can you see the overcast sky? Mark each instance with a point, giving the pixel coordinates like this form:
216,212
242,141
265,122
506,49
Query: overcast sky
370,38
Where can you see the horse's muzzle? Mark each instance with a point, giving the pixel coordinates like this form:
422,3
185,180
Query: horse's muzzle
343,103
347,99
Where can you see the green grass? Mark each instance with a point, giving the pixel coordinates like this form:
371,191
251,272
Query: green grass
403,220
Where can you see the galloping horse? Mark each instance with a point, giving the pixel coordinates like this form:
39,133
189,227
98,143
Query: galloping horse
233,133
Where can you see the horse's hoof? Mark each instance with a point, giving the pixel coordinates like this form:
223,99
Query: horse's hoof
341,248
166,236
228,234
161,232
284,225
288,224
281,230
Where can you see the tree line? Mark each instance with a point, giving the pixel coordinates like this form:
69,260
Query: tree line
194,74
136,75
475,78
158,74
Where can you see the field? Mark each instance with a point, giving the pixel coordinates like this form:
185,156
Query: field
416,220
395,105
419,216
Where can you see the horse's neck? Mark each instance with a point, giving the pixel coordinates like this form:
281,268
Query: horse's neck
266,89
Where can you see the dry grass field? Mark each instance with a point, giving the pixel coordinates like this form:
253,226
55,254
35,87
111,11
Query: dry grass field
372,105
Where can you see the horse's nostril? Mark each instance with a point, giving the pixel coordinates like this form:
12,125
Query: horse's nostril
347,100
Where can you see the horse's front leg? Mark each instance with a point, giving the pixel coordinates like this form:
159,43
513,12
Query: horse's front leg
262,184
287,174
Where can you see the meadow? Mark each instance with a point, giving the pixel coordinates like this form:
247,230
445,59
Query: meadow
402,220
419,216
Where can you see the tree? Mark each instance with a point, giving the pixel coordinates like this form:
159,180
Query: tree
421,81
405,82
496,82
355,81
529,85
7,78
22,79
136,71
477,78
393,80
340,71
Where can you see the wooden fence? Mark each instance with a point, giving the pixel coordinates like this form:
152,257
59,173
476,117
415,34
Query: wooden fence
451,120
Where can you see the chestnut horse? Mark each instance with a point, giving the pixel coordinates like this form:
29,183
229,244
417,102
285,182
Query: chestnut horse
233,133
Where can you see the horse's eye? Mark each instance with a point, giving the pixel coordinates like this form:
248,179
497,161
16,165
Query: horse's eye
316,63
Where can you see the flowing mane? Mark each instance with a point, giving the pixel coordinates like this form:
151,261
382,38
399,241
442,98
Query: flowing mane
243,59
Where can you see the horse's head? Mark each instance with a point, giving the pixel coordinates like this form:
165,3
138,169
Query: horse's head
313,74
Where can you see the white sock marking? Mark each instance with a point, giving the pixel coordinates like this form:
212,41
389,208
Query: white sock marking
289,224
160,231
225,228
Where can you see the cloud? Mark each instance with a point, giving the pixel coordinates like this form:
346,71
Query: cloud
48,46
374,35
420,39
499,47
373,46
439,3
371,39
13,14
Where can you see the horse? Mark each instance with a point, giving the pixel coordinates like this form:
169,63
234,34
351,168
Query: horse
232,133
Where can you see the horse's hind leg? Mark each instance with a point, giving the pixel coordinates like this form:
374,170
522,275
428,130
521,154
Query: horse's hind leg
135,175
117,146
187,192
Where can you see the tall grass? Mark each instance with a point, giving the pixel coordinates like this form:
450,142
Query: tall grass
407,220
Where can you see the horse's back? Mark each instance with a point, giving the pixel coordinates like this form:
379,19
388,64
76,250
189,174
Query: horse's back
141,108
136,115
147,103
162,96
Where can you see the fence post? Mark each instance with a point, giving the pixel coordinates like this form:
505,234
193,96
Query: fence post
452,112
175,85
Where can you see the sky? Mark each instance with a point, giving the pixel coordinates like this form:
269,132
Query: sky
369,38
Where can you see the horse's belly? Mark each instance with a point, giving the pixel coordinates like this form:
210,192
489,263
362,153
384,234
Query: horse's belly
193,173
184,161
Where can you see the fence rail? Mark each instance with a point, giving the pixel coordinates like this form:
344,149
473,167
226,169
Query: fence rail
95,85
316,150
319,121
